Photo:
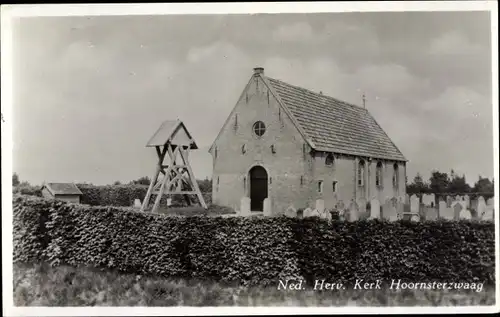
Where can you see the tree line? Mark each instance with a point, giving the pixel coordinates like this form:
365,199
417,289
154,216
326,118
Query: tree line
444,183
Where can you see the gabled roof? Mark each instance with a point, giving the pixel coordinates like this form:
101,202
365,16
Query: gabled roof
168,131
63,189
333,125
328,124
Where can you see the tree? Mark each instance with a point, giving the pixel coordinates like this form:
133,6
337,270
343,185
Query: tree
458,185
483,185
142,181
439,182
417,186
15,179
117,183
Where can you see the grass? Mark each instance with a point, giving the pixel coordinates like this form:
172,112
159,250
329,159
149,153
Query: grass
42,285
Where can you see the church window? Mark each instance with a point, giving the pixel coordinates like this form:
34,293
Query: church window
329,159
361,173
243,148
334,186
320,187
395,176
259,128
273,149
378,175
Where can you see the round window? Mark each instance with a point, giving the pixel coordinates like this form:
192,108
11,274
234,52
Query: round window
259,128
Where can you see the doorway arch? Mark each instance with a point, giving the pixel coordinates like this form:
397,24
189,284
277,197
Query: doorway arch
258,187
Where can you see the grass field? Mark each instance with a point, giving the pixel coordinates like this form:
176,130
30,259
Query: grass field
42,285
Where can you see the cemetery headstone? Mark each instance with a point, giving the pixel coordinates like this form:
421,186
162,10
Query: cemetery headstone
465,214
267,207
445,212
320,205
414,204
291,212
481,206
390,212
353,211
374,209
245,206
457,208
137,203
308,212
449,200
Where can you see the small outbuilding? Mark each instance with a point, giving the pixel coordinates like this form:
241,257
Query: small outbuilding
68,192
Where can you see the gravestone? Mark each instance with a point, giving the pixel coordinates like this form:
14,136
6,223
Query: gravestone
414,204
427,200
291,212
315,213
320,205
445,212
481,206
467,201
308,212
457,208
137,203
465,214
374,209
415,217
431,213
267,207
169,202
488,214
245,206
422,210
390,212
449,200
353,211
361,206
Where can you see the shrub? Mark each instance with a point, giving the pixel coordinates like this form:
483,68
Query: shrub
252,250
233,249
461,251
124,195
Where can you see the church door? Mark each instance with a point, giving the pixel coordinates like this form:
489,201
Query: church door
258,188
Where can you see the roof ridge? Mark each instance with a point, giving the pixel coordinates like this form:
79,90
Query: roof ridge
318,94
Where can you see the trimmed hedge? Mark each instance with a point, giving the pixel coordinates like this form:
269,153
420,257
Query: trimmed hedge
252,250
124,195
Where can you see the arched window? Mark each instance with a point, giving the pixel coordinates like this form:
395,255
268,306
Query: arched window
378,175
395,177
329,159
243,149
361,173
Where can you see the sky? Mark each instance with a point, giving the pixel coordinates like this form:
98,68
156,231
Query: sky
89,92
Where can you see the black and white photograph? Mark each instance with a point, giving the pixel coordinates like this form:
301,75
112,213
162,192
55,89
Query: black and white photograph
250,158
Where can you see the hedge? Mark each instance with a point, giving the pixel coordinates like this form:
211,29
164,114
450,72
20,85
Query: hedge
124,195
252,250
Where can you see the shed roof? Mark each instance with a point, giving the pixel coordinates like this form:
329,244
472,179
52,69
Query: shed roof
63,189
168,131
333,125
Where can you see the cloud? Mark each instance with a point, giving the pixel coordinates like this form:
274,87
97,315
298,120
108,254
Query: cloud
295,32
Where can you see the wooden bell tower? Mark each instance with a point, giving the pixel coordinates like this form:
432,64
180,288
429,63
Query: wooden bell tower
172,142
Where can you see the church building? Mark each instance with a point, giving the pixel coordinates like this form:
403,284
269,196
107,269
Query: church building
295,146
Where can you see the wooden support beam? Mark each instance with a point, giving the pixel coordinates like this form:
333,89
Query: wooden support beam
193,181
